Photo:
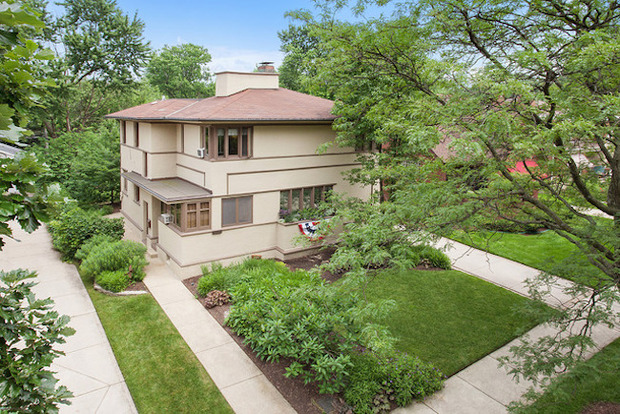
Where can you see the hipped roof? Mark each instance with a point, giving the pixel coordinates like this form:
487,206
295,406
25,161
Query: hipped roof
250,105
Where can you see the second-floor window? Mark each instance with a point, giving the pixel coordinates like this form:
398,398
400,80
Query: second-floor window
233,142
297,199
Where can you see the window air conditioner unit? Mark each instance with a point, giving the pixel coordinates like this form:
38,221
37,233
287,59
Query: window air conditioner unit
166,218
201,152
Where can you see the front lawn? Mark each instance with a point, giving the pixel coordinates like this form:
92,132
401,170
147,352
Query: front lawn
546,251
449,318
595,380
162,373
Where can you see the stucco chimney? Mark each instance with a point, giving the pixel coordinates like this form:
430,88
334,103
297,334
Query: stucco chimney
228,83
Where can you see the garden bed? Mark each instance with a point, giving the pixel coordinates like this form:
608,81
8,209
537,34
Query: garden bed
305,398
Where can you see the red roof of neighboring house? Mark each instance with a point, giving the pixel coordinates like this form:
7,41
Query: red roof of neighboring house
520,166
248,105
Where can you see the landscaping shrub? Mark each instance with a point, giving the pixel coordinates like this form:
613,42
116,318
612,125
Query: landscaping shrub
322,328
124,255
430,256
113,280
75,226
377,380
222,278
90,244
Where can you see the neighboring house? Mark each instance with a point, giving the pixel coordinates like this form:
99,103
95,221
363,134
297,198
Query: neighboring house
205,180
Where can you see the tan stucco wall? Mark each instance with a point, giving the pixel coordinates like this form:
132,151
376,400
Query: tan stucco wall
283,157
227,83
132,159
290,140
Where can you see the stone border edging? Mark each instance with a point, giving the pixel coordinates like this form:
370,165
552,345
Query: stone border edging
123,293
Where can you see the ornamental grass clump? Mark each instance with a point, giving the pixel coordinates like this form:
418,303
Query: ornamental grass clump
323,329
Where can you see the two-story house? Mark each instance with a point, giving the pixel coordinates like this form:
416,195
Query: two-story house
205,180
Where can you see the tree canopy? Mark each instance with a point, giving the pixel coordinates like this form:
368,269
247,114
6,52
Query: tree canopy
485,112
181,72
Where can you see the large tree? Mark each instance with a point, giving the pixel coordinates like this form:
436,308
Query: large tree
513,97
181,71
101,53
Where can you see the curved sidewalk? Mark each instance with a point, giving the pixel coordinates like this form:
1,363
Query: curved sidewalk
484,387
89,368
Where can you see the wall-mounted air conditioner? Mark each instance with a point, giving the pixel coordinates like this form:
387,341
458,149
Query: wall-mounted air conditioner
201,152
166,218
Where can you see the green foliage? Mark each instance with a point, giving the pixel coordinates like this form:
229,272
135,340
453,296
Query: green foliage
103,53
22,84
431,257
29,333
23,195
303,54
181,71
376,380
125,256
87,164
113,280
218,277
75,226
83,252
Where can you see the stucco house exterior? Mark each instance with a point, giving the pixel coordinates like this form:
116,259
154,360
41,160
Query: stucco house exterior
205,180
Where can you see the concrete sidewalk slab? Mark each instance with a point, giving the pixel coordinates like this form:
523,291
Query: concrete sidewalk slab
89,368
241,383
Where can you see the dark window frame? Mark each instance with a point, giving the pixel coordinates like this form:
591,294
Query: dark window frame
289,197
236,221
220,148
137,134
179,212
123,129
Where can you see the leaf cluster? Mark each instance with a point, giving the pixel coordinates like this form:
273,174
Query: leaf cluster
29,335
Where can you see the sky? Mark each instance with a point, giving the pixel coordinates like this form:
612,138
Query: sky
238,33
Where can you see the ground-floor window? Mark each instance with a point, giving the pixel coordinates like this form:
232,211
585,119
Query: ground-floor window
194,215
236,211
297,199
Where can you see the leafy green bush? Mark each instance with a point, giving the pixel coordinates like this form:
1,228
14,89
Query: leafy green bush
321,328
75,226
377,379
31,332
431,256
124,255
222,278
90,244
113,280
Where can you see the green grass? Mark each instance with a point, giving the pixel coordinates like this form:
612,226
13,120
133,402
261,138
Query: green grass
597,379
161,372
449,318
546,251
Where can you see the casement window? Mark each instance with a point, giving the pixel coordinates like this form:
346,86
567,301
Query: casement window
195,215
137,133
205,140
123,132
233,142
125,183
236,211
301,198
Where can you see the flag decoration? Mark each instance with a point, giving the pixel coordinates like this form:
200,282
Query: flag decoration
309,228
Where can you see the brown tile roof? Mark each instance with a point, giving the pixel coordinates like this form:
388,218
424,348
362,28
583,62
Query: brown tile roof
248,105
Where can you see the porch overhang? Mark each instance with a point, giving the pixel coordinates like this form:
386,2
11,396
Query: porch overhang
168,190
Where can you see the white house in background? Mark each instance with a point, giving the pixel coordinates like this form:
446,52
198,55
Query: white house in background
205,180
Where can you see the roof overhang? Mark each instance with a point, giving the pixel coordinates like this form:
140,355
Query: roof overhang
169,190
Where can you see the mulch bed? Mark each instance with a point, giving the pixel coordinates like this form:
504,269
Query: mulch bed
602,408
136,286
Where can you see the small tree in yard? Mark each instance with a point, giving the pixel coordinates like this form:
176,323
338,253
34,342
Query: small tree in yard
29,330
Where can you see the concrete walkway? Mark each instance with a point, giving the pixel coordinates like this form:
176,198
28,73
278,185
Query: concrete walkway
244,386
483,387
89,368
